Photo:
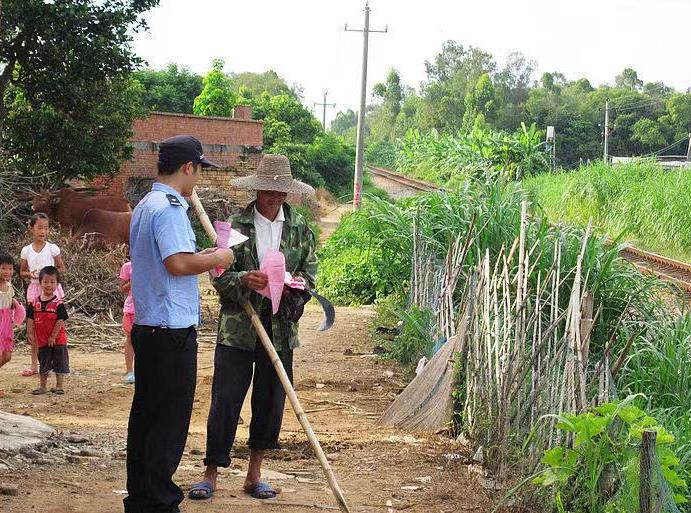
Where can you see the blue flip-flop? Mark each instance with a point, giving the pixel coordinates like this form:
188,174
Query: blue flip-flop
201,491
261,490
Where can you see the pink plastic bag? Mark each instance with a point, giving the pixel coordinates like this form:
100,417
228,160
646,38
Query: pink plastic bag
274,266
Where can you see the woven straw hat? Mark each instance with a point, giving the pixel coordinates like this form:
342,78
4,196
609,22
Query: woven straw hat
273,174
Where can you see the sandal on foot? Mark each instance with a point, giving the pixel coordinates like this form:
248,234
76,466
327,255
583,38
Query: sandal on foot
201,491
39,391
28,372
261,490
57,391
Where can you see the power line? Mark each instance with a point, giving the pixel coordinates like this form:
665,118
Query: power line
642,103
668,147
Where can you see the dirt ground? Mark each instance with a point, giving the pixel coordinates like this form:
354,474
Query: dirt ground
342,387
342,394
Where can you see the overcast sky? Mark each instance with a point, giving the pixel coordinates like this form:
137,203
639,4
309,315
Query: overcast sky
304,40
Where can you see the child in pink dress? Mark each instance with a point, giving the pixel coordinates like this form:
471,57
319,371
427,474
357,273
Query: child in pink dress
127,319
11,311
34,257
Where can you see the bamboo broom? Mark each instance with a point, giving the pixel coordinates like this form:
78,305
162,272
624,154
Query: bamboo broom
280,370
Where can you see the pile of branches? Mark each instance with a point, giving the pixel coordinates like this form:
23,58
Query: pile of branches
219,206
92,283
15,191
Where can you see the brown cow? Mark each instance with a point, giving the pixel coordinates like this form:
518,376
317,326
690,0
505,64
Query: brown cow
104,228
67,206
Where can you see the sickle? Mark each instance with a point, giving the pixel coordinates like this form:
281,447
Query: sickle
329,312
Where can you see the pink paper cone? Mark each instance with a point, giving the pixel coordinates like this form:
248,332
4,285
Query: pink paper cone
222,238
274,266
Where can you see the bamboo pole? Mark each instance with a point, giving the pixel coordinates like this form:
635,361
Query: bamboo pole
282,375
203,218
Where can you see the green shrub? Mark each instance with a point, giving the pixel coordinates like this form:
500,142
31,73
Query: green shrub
599,471
415,339
352,277
450,159
382,154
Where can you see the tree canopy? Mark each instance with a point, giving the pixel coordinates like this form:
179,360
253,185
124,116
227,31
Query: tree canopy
465,88
67,98
172,89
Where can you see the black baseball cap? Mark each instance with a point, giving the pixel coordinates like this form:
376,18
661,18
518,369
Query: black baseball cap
176,151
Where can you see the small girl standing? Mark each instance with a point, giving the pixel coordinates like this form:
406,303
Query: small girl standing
34,257
127,319
11,311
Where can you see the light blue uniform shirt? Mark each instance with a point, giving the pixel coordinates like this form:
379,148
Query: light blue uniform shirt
160,228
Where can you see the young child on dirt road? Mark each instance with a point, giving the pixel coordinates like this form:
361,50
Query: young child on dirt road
127,319
34,257
46,328
11,311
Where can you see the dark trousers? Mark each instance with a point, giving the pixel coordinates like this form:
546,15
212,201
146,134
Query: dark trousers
165,365
234,369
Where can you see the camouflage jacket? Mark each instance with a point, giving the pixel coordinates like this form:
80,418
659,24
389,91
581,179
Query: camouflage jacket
298,245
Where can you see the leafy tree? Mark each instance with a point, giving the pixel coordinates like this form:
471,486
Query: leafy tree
343,122
381,120
390,93
450,76
217,97
285,119
481,103
66,99
649,133
255,84
512,84
628,79
172,89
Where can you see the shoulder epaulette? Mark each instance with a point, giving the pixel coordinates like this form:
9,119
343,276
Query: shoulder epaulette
173,200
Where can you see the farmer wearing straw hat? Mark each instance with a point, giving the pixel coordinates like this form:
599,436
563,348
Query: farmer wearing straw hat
270,224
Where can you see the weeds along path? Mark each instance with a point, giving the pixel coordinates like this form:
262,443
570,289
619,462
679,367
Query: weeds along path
674,272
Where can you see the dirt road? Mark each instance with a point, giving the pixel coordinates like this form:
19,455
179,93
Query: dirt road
342,393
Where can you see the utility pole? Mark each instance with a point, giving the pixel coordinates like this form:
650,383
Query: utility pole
324,105
359,149
688,150
606,155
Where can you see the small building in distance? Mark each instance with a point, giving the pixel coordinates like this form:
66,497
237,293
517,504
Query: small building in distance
234,143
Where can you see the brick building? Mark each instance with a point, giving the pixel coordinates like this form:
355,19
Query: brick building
234,143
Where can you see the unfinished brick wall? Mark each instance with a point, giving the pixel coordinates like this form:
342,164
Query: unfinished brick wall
234,143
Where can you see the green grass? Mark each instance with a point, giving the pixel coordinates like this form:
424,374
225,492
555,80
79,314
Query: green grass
660,369
646,204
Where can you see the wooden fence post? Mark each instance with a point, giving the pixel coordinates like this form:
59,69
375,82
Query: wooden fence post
646,471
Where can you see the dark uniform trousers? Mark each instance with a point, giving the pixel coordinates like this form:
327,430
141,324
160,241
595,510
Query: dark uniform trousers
165,367
234,369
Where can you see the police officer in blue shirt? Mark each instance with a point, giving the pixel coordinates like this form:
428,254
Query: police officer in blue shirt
165,291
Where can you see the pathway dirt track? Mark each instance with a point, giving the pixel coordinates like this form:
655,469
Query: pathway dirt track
371,462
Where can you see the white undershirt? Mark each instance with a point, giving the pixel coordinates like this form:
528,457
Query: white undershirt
268,233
